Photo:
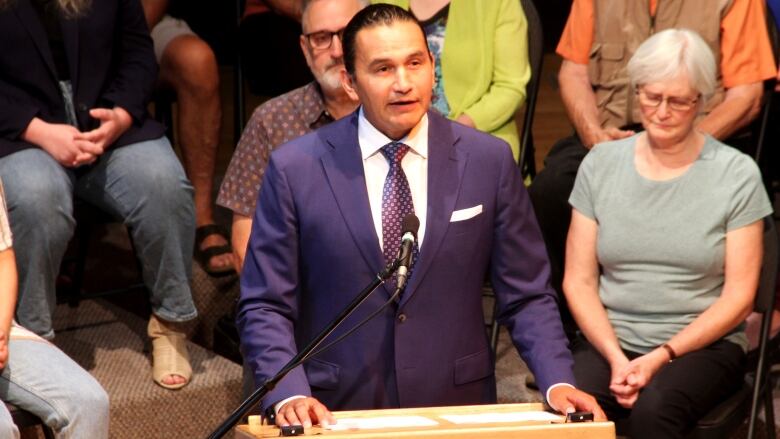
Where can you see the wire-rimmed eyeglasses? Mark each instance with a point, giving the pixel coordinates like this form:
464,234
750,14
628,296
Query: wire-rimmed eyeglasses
654,100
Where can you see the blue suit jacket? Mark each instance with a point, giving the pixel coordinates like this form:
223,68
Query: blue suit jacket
313,247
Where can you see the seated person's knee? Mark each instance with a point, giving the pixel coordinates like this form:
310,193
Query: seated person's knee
193,64
655,412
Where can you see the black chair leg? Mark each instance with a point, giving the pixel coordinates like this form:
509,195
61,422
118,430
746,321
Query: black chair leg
24,419
769,408
82,237
762,388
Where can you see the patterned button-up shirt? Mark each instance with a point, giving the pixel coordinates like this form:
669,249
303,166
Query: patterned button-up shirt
275,122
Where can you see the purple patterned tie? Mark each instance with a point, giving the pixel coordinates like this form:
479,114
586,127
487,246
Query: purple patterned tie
396,200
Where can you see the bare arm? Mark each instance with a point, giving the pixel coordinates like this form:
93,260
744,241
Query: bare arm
154,10
744,249
580,102
241,228
740,106
581,287
8,288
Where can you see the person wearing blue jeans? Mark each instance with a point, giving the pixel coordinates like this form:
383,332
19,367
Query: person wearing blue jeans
74,123
47,383
35,375
142,183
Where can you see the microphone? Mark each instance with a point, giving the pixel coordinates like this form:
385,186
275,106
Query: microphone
409,226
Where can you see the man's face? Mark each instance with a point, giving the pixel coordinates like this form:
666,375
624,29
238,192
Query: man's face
321,20
393,76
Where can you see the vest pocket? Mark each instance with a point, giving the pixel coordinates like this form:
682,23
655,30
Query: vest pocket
322,375
473,367
606,61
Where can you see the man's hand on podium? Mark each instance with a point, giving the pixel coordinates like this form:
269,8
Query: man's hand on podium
567,399
304,411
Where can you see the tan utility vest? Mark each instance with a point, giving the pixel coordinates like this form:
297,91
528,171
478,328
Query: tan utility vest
621,26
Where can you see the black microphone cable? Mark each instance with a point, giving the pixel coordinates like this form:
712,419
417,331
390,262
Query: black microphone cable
410,226
392,299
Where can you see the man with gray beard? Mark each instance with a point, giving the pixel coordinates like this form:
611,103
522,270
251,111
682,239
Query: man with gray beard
290,115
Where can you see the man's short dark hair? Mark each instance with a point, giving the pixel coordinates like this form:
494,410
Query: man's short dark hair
374,15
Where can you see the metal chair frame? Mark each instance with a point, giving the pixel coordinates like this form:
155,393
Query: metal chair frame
526,162
24,419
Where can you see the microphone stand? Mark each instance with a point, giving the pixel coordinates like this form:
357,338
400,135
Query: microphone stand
304,354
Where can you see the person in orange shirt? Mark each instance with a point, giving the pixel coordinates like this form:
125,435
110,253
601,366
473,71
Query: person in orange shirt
596,45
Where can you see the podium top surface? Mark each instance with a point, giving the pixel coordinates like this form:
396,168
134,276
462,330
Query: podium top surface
493,421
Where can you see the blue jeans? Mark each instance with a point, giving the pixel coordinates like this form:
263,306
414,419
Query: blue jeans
44,381
142,183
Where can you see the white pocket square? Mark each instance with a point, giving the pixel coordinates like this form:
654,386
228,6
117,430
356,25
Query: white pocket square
464,214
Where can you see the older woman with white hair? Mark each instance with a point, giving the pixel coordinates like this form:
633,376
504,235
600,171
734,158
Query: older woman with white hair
664,251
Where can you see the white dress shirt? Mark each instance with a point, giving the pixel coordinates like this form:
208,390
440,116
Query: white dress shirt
414,164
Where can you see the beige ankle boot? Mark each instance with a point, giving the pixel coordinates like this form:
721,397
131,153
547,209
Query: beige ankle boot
169,352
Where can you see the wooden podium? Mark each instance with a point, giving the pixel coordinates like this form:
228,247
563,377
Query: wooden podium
486,421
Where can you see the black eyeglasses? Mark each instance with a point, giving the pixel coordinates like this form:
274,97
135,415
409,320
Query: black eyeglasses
321,40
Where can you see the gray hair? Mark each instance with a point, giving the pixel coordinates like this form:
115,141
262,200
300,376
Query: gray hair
69,8
307,3
670,53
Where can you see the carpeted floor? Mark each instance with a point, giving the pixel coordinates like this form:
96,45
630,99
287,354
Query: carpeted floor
112,345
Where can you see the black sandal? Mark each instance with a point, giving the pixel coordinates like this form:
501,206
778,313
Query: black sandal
203,256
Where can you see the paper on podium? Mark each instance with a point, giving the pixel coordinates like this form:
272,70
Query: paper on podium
467,422
382,422
486,418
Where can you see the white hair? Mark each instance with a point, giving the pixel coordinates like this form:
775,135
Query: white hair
69,8
307,3
673,52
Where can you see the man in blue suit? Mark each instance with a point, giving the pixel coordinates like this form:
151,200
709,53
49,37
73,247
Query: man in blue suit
321,227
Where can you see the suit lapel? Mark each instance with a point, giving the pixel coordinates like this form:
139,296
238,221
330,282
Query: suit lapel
344,171
445,171
32,23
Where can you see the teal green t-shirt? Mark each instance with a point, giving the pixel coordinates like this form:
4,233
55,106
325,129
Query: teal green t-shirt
661,244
